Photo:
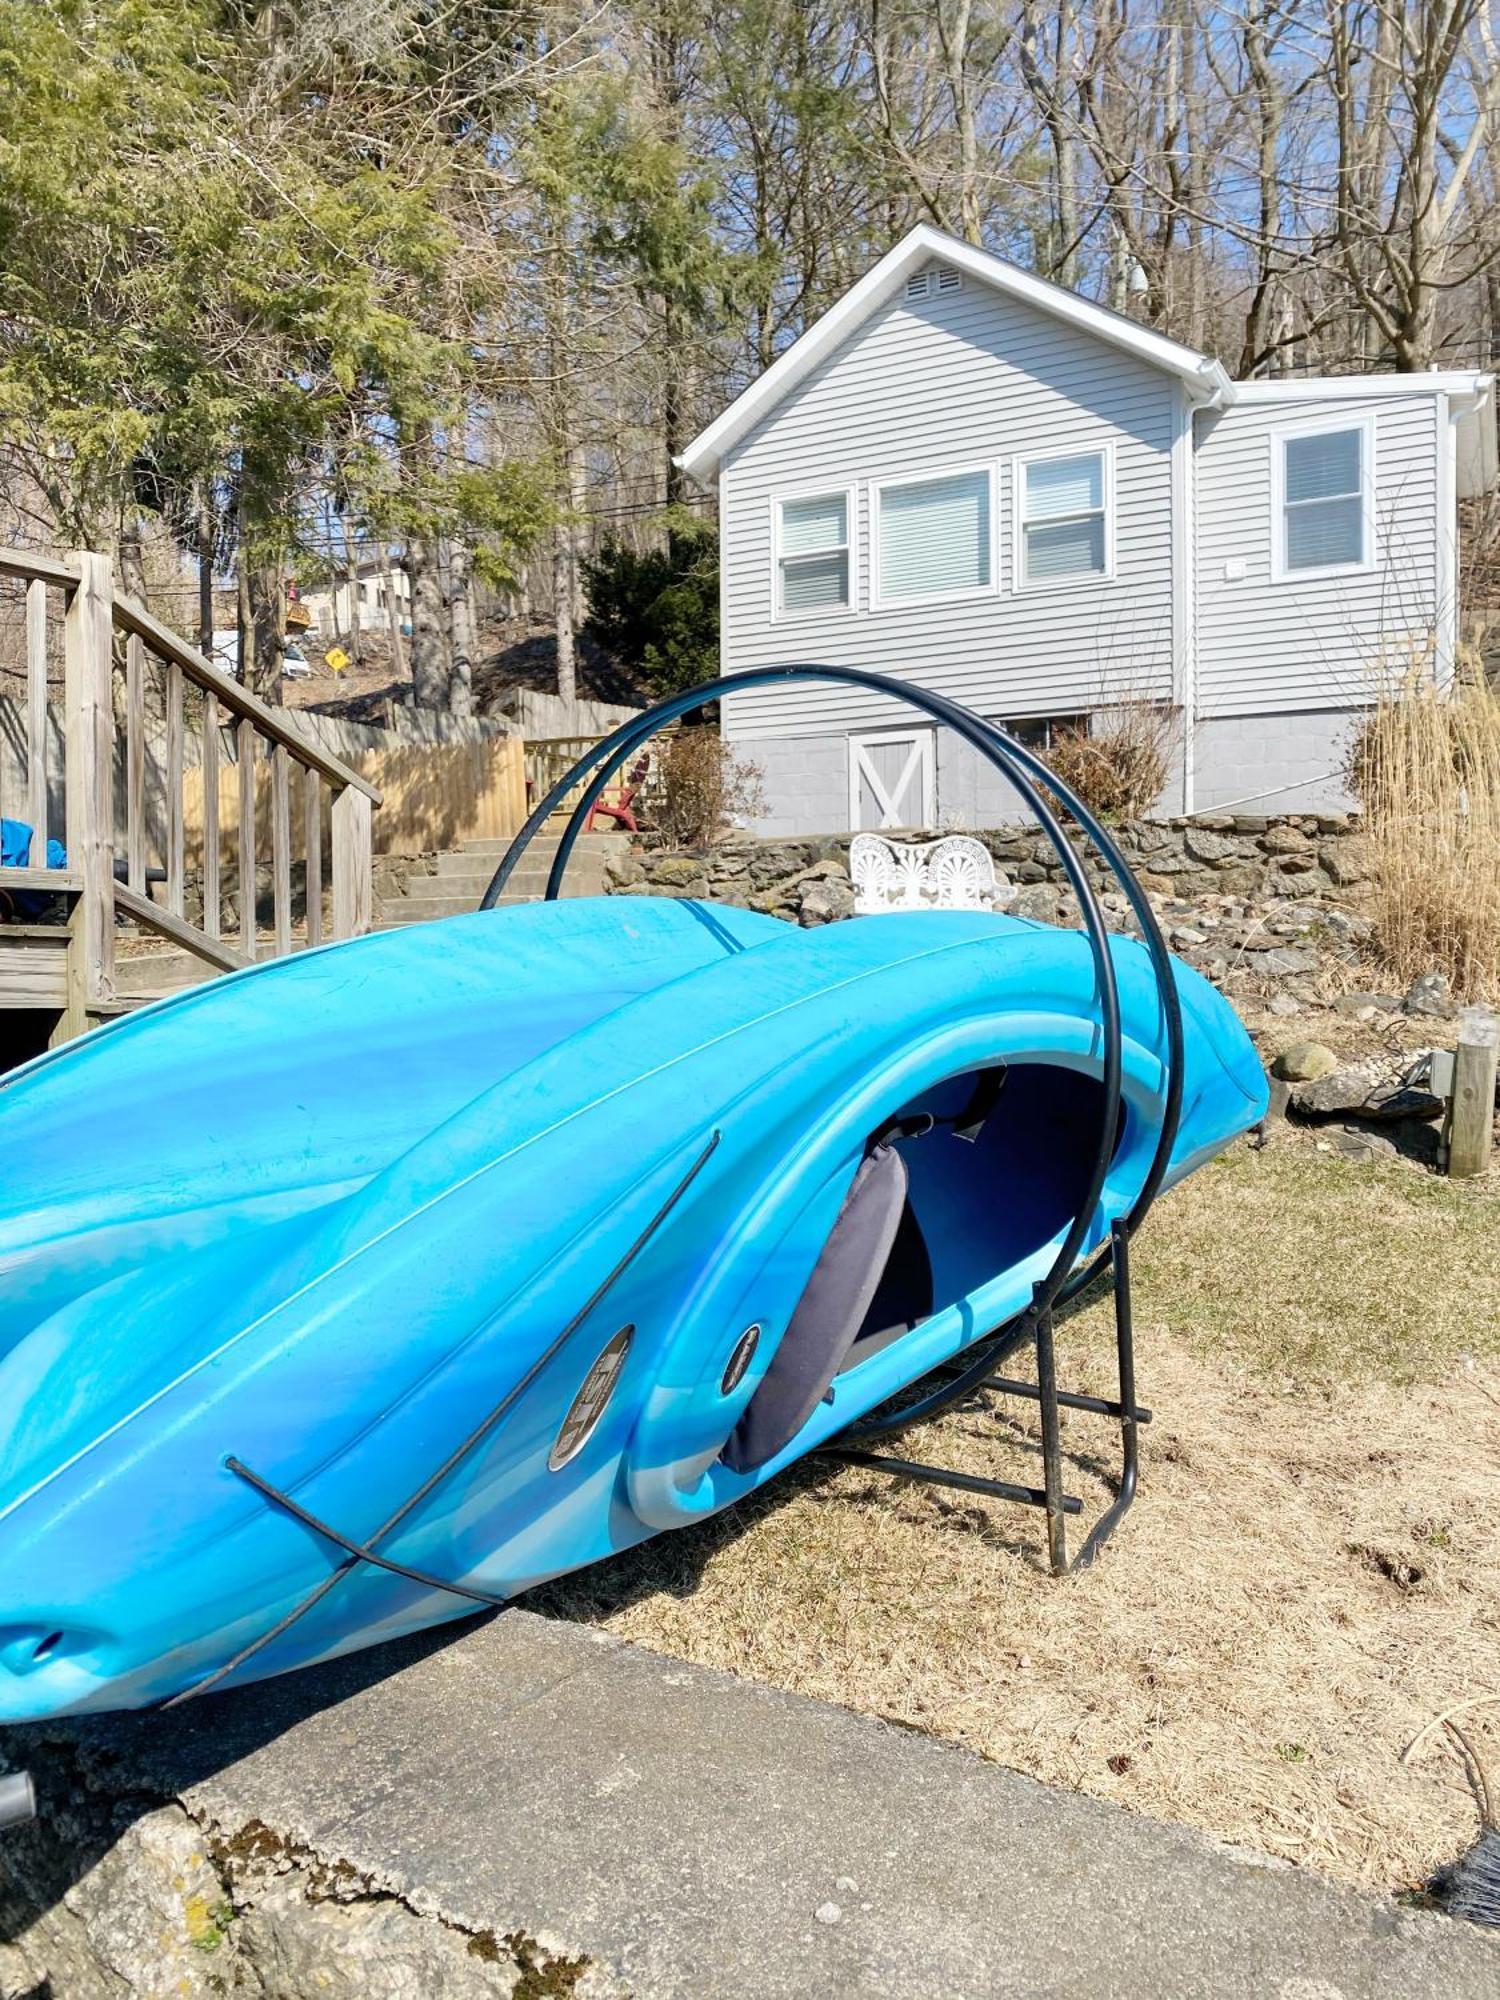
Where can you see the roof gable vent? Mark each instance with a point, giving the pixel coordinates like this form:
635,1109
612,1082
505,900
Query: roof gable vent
936,279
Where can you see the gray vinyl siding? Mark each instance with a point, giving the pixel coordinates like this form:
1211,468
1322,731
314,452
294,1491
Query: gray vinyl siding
942,385
1310,644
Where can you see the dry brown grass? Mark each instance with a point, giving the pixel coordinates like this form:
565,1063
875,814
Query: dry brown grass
1311,1574
1426,768
1119,766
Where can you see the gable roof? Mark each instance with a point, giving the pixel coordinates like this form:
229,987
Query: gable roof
1205,379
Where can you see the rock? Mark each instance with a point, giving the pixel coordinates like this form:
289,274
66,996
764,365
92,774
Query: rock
826,902
1298,864
1345,861
1332,1092
1284,839
1285,959
1303,1062
1390,1103
622,865
1356,1144
676,871
1209,847
1364,1004
1250,822
1284,1004
1429,994
1039,902
1278,1099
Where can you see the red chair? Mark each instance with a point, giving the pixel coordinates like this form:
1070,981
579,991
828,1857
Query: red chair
618,808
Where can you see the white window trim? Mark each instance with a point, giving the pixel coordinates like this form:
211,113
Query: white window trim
851,526
923,743
1323,426
1019,464
991,470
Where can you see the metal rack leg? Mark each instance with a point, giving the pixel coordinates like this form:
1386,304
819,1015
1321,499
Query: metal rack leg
1130,1430
1046,1382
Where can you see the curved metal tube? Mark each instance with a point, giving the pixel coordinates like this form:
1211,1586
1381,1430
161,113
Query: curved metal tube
1026,774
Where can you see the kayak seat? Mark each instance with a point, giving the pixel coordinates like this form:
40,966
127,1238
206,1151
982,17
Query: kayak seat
834,1308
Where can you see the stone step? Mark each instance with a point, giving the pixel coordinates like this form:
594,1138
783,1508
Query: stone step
580,880
535,857
545,843
414,909
150,975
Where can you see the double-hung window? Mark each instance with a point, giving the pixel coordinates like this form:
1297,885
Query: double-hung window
934,536
1321,483
1063,511
812,553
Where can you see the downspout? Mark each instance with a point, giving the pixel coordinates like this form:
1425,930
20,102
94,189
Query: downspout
1190,614
1445,611
1210,390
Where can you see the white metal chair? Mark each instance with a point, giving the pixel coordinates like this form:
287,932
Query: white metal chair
954,873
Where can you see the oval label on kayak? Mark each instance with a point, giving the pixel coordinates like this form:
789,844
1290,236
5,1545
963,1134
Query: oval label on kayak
589,1405
739,1361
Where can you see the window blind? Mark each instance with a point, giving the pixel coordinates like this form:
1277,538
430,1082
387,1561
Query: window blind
1323,504
935,536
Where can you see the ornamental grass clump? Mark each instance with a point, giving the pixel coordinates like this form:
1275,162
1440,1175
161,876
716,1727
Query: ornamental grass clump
1425,766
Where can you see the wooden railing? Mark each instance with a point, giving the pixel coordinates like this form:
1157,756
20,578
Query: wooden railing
549,758
143,712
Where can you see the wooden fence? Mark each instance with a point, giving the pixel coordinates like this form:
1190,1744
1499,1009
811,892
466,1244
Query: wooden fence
129,685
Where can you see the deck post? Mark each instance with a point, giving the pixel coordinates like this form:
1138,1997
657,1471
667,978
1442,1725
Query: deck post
352,906
89,792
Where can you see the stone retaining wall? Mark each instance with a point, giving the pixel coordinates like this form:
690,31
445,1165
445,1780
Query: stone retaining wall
1303,856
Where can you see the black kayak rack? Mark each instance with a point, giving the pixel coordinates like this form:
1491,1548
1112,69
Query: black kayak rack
976,1372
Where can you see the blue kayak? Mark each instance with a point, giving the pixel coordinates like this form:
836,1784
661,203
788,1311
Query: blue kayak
507,1242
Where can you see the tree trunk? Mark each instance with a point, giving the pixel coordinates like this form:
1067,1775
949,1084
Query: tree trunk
429,639
205,578
563,607
392,615
266,607
351,586
461,626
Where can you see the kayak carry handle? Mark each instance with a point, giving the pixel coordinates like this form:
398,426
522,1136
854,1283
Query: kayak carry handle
17,1800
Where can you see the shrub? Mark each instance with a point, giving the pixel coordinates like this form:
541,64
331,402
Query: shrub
700,787
657,610
1120,769
1425,766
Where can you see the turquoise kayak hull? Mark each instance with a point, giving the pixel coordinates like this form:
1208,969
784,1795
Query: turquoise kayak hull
318,1217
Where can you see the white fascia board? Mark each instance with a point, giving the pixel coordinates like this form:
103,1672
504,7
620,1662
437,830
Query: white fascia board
1353,388
1205,380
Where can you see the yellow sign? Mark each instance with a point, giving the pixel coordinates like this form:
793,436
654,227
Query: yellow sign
337,658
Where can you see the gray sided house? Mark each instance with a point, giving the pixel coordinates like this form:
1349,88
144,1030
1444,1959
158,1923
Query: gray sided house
973,479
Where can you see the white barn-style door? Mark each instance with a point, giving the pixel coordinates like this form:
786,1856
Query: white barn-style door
892,780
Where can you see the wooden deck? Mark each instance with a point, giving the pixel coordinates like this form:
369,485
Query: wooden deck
162,756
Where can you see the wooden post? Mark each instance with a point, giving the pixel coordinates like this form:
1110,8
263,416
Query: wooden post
351,862
176,761
213,913
135,765
281,847
245,753
36,719
312,835
1471,1111
89,781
